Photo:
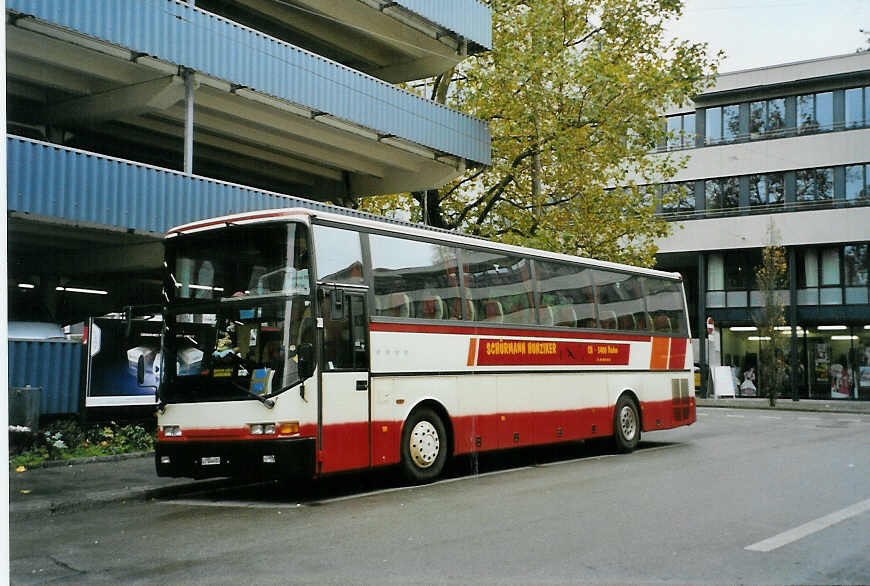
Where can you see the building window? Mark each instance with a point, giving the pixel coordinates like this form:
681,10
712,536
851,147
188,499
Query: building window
855,116
766,118
681,131
815,184
722,194
815,112
766,190
857,187
736,271
678,197
723,124
714,126
830,267
857,263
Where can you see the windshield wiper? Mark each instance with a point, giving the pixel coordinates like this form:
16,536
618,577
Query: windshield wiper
267,402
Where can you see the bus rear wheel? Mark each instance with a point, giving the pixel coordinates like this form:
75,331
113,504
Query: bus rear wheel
424,446
626,425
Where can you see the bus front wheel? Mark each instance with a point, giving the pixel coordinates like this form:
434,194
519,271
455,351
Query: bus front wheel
626,425
424,446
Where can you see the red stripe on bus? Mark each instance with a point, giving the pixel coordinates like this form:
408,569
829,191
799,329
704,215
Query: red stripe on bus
357,445
489,331
472,351
678,353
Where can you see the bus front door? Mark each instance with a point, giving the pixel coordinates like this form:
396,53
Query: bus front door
344,414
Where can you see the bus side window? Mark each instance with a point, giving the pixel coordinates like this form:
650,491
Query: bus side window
414,279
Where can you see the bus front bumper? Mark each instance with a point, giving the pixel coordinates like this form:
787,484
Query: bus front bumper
261,459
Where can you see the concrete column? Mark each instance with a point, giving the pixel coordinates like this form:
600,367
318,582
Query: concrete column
188,121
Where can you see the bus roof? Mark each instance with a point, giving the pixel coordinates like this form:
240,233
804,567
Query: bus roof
373,222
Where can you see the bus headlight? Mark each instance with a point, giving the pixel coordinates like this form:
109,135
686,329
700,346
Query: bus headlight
171,431
262,428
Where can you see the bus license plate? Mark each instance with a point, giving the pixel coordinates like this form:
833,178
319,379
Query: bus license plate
211,460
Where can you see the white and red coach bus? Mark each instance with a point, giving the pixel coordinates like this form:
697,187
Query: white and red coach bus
299,342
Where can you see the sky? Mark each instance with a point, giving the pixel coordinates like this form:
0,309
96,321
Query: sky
757,33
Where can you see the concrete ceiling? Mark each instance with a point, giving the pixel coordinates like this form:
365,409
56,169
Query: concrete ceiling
66,92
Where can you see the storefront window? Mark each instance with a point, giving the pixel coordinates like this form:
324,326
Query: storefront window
862,359
832,362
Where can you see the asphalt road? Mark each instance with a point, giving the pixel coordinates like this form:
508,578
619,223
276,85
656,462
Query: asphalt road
743,496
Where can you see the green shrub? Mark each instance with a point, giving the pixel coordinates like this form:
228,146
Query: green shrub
66,438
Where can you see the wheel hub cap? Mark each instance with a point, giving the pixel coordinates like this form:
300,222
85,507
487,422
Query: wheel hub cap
425,444
628,422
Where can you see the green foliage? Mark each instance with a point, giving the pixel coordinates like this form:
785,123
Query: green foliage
572,91
65,439
771,278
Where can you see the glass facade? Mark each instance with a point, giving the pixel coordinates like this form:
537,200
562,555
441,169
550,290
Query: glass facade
786,116
832,354
833,361
769,192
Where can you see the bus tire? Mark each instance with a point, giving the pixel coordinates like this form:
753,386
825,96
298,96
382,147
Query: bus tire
626,425
424,446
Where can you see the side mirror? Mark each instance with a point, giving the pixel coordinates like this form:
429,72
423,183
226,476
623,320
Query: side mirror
140,370
305,354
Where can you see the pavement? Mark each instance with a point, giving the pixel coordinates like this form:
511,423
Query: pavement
63,486
817,405
80,485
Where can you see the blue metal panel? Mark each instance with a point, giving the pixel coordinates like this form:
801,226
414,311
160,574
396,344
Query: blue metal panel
79,186
54,366
201,41
470,18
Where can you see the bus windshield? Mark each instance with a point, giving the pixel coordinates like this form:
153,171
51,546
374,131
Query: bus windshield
239,310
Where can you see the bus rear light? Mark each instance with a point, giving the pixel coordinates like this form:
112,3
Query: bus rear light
171,431
268,429
288,427
164,460
268,458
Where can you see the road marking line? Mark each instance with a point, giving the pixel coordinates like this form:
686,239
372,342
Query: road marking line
701,414
809,528
770,417
737,416
809,418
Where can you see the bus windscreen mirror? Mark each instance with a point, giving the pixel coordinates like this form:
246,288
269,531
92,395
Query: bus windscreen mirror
305,354
140,370
128,322
337,304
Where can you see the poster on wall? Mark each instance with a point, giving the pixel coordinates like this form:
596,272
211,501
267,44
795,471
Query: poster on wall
113,358
821,365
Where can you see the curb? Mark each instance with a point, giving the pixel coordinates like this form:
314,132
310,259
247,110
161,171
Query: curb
781,407
23,511
91,460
